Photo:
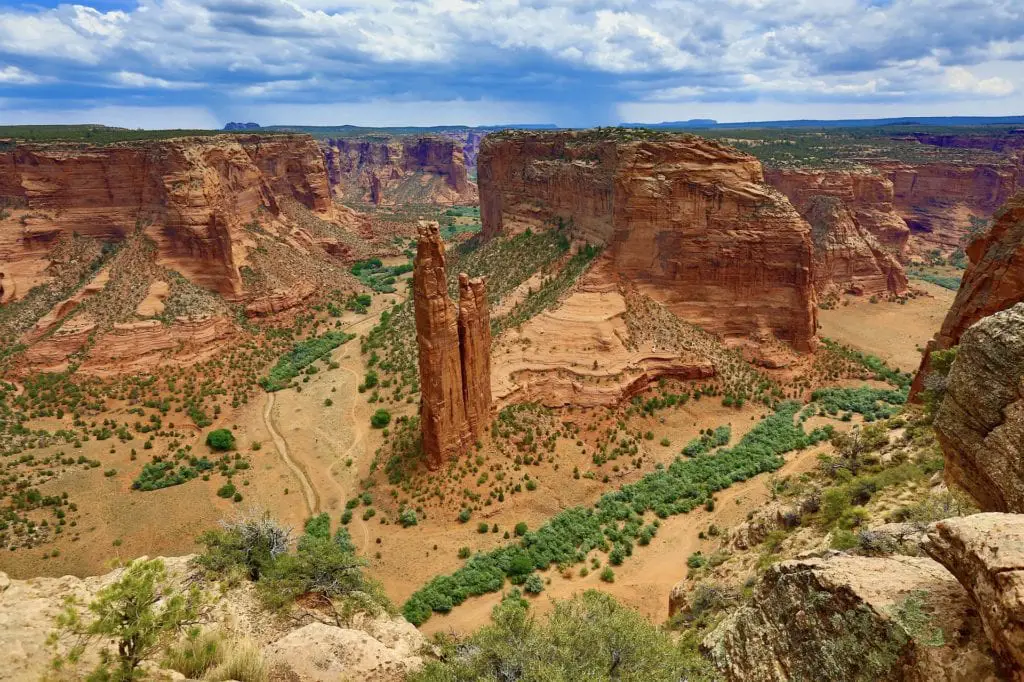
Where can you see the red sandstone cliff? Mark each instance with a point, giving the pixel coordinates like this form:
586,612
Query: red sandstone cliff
416,170
475,350
193,197
851,217
689,220
248,217
994,280
938,200
454,354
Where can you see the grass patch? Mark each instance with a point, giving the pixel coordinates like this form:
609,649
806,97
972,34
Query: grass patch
303,354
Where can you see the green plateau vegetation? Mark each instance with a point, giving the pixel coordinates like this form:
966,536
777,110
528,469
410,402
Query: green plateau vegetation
379,277
102,135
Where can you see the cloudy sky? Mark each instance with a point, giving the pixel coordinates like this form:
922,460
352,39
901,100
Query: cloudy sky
200,63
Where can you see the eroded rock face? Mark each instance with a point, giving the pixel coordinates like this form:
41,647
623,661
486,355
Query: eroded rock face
475,350
192,196
986,554
421,170
980,423
837,618
454,353
937,200
851,216
688,220
993,281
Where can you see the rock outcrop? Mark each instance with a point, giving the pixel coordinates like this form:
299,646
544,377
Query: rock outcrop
846,618
400,170
986,554
994,281
849,214
980,423
938,200
688,220
192,196
377,649
454,353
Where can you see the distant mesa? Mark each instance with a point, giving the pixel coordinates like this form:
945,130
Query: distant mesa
234,125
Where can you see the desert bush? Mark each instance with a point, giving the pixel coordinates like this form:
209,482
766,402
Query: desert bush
588,637
142,613
221,439
251,543
380,419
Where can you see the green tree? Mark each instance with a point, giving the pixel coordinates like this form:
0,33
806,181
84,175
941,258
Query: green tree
142,613
380,419
221,439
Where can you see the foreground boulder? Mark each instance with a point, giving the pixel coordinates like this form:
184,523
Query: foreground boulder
980,423
854,618
986,554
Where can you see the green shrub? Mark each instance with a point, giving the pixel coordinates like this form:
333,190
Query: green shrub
221,439
380,419
607,575
533,584
407,517
520,529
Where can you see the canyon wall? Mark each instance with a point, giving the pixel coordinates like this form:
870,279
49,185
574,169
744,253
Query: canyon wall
192,196
856,233
454,354
939,200
688,220
397,171
993,281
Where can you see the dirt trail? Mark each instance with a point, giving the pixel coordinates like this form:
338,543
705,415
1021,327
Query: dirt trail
312,499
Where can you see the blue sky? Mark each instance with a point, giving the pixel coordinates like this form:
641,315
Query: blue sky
201,63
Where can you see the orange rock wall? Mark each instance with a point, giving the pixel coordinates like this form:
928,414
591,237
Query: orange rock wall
937,200
389,172
688,220
993,281
192,196
851,216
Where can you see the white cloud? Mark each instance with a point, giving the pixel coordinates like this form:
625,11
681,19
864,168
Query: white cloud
959,79
130,79
15,76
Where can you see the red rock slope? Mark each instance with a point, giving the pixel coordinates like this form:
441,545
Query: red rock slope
689,220
856,233
994,281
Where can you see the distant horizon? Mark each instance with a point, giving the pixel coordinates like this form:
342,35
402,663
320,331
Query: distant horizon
158,64
961,121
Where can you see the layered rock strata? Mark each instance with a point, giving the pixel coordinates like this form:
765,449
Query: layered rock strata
417,170
986,554
993,281
192,196
980,423
454,353
688,220
840,618
939,200
850,215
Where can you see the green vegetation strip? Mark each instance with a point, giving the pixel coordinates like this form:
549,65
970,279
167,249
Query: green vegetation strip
618,517
882,371
945,281
301,356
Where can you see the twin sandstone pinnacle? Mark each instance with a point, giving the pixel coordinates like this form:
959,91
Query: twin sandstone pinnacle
454,354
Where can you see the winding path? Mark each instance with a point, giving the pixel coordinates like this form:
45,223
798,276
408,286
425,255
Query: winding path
312,499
